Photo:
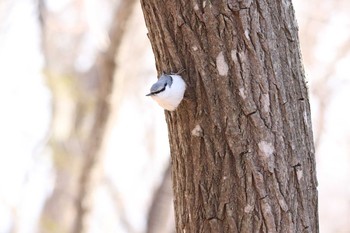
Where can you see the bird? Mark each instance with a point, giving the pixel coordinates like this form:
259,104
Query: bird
168,91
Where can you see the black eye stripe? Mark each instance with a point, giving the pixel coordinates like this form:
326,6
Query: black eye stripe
156,92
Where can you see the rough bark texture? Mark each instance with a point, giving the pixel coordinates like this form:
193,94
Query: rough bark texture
241,142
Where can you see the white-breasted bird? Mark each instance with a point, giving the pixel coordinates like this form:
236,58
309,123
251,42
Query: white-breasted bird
168,91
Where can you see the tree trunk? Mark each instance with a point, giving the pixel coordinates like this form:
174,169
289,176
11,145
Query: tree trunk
241,141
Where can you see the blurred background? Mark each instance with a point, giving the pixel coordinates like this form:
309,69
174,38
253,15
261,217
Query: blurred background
83,150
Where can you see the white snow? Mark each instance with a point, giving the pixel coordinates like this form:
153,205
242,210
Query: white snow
266,148
248,208
246,33
197,131
221,64
242,92
299,174
234,55
265,100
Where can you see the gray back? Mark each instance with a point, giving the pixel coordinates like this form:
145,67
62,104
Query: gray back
163,81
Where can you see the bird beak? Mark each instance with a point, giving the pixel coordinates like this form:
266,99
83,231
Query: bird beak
149,94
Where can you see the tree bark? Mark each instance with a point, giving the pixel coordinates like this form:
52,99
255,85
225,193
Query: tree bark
241,142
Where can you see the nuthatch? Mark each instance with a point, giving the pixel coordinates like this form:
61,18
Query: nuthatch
168,91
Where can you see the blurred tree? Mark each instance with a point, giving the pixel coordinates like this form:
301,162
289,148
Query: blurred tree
80,110
241,142
160,216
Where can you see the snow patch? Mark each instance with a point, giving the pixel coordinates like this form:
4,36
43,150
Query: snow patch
299,174
248,208
196,7
266,148
265,100
204,4
246,33
306,119
234,55
221,64
242,92
197,131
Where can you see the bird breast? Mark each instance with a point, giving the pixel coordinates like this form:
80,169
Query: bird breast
172,96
